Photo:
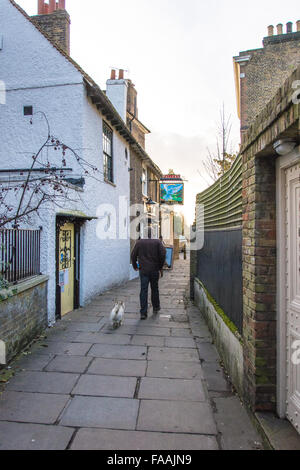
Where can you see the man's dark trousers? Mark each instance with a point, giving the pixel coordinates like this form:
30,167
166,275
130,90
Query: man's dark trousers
152,279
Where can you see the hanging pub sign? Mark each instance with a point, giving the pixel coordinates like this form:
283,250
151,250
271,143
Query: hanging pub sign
171,189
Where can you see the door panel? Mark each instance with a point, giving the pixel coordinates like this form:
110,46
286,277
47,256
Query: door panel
66,267
293,293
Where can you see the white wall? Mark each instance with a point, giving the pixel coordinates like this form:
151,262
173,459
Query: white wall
36,74
116,92
107,259
35,61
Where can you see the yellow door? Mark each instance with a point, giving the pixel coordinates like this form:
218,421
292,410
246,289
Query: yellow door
66,267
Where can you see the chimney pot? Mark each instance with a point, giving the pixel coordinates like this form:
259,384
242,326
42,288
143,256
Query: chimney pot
41,6
298,25
121,74
270,30
113,75
280,28
52,6
289,27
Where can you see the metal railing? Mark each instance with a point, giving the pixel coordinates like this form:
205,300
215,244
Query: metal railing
19,254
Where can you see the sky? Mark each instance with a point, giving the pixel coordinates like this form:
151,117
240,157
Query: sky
179,56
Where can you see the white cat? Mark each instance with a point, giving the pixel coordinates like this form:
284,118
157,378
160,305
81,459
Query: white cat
117,315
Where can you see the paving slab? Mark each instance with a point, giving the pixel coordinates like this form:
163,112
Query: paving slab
280,433
215,378
102,439
237,431
181,333
75,317
118,352
42,382
60,347
99,412
176,416
101,338
23,436
208,352
202,332
123,330
105,386
85,327
75,364
173,354
132,321
152,331
118,367
31,407
171,389
64,336
180,343
175,370
34,361
140,340
180,325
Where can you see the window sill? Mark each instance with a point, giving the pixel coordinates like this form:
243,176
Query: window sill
109,182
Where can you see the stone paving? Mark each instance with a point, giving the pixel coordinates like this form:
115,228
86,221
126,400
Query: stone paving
149,385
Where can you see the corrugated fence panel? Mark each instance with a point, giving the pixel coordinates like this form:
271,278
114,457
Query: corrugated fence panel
219,262
223,200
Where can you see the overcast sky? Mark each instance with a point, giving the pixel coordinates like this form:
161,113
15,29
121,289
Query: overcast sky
179,55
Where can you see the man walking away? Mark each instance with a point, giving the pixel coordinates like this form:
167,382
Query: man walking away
151,255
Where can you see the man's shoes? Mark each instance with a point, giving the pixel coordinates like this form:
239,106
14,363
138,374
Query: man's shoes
144,316
155,311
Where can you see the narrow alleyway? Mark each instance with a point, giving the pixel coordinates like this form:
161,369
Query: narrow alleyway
154,384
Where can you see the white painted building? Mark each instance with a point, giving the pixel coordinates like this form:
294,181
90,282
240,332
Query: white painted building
38,73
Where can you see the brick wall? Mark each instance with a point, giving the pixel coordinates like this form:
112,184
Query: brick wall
132,99
259,280
136,193
23,316
57,26
138,134
265,72
135,185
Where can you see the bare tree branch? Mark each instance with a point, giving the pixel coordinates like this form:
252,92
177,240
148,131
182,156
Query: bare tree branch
34,190
219,161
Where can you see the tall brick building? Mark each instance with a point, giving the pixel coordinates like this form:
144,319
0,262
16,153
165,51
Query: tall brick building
247,274
260,72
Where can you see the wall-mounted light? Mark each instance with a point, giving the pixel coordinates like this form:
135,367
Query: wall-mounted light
150,202
284,146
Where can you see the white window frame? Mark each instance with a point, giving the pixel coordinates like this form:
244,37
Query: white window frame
145,182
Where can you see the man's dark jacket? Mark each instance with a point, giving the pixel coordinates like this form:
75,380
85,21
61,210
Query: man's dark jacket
150,254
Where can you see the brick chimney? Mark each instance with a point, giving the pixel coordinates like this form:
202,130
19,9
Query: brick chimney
54,20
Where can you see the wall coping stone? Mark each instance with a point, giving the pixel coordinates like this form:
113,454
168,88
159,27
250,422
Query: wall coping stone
233,329
22,286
